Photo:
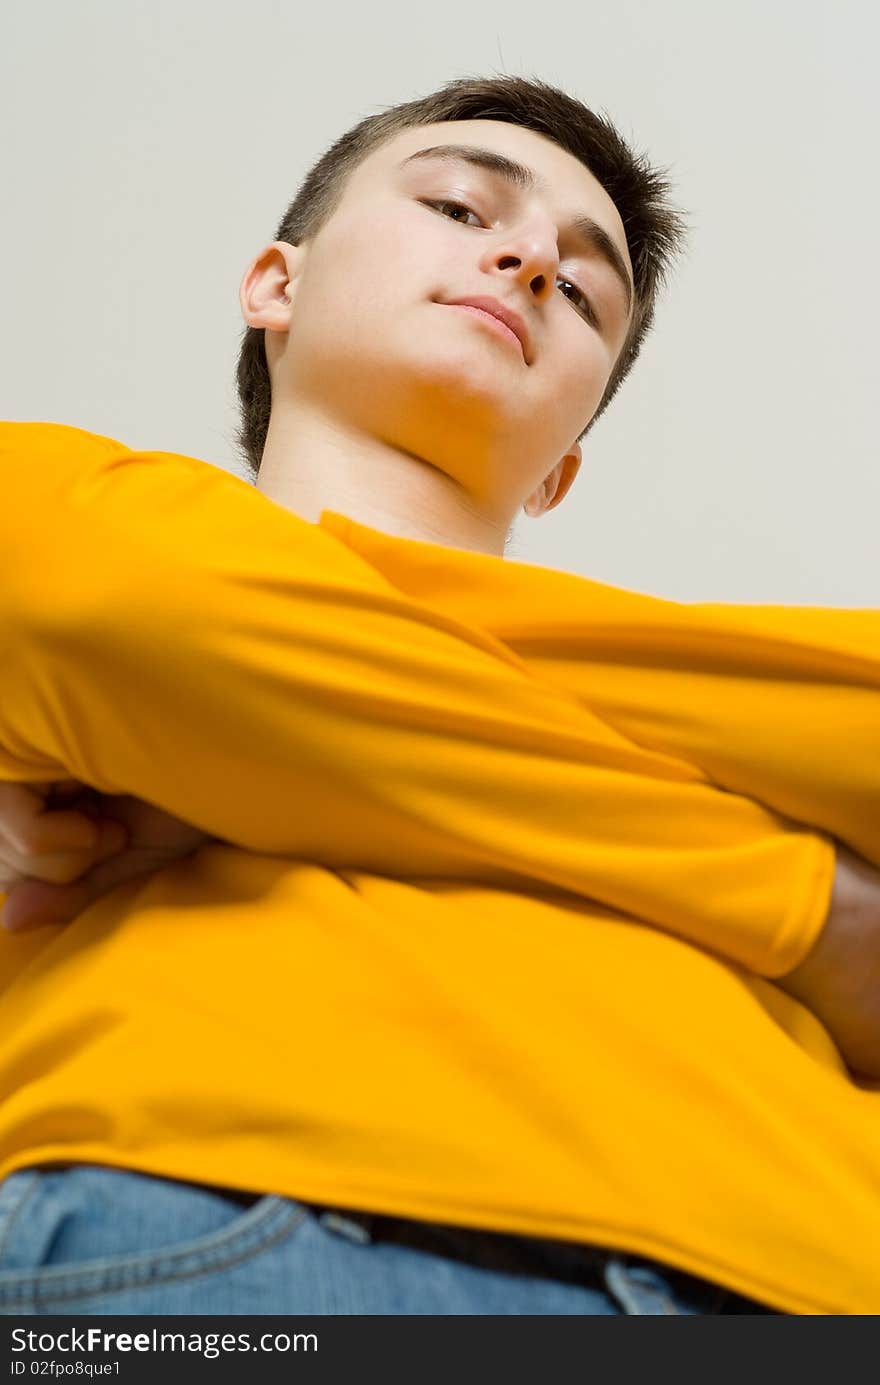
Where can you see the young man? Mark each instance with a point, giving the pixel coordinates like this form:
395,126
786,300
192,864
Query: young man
468,993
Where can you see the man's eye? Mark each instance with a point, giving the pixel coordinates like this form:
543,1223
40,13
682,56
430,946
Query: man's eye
458,206
587,310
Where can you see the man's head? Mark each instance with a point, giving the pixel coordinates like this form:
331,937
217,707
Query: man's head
528,199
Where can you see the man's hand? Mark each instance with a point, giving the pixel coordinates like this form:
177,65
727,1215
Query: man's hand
63,845
839,980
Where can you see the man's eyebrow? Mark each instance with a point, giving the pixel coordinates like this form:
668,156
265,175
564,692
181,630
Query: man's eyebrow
594,236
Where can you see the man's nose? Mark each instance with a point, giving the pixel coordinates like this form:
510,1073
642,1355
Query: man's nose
532,257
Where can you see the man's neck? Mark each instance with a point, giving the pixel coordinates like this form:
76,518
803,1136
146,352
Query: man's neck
312,464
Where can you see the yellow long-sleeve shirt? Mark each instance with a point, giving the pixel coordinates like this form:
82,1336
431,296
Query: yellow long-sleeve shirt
516,857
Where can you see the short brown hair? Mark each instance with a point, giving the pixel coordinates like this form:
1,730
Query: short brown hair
655,231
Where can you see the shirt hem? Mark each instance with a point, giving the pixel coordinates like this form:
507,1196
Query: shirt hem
385,1202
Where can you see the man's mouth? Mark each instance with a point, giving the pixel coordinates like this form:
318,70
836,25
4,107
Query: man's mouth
500,318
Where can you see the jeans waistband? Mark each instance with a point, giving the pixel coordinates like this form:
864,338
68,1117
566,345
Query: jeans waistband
491,1250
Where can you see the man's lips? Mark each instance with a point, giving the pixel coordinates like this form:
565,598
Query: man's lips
506,317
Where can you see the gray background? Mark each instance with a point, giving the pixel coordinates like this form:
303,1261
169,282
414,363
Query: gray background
149,149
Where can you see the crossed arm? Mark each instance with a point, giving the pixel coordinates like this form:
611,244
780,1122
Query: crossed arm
211,642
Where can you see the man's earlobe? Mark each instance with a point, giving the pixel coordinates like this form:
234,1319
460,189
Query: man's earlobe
536,503
556,485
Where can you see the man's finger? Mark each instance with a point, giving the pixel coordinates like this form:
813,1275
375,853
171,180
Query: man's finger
30,824
34,904
53,832
64,857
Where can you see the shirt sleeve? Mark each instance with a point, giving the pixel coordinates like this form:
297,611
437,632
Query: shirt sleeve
168,631
780,703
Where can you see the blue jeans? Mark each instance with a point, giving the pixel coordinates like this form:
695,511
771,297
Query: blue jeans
89,1239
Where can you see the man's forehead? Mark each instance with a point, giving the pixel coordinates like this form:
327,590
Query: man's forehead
516,140
568,180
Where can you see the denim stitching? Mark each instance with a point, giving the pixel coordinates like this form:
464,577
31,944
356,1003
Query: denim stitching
24,1190
248,1235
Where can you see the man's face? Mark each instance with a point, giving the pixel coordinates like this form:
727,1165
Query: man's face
375,340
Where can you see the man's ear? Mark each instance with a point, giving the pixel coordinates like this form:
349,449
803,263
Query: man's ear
556,485
267,287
